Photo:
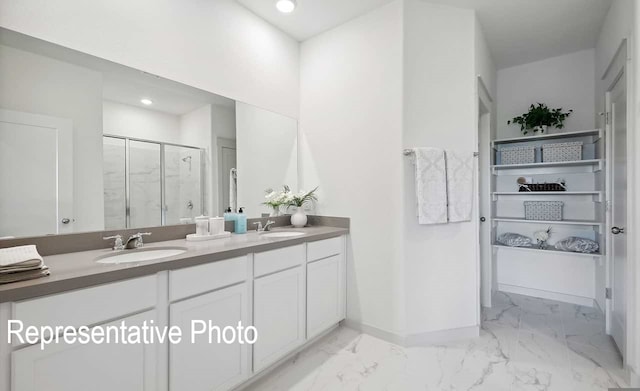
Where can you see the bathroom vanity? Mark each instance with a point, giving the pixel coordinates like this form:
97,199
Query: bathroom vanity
292,289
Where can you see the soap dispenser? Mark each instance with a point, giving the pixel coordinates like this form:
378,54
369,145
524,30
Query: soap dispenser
241,222
230,216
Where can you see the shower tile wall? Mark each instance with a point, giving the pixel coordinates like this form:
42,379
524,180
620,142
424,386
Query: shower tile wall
144,179
182,180
114,183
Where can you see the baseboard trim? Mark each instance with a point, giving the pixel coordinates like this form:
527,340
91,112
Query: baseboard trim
375,332
579,300
419,339
440,336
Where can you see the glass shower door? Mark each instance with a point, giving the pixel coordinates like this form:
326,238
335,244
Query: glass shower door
183,183
145,184
115,184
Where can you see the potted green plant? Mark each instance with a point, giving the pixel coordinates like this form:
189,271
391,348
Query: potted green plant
299,218
540,117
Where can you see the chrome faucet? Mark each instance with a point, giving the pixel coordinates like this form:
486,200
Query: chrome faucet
135,241
267,226
117,245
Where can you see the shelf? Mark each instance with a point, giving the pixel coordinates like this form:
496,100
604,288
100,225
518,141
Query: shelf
544,137
597,165
596,195
549,251
552,222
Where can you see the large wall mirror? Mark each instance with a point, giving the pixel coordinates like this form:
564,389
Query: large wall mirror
87,144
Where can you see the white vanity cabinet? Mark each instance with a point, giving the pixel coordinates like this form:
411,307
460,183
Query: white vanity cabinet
91,366
207,364
291,295
104,367
278,304
326,285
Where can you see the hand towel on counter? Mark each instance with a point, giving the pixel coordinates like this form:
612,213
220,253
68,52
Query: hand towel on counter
21,263
460,169
431,185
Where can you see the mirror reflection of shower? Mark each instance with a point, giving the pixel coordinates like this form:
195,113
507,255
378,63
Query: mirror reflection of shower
150,183
187,160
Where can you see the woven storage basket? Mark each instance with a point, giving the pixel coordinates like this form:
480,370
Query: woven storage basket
562,152
543,210
518,155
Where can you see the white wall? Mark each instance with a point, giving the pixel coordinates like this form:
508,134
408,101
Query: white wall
267,155
351,133
131,121
218,46
565,81
59,89
439,111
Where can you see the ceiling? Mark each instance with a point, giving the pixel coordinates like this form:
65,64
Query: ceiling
312,17
517,31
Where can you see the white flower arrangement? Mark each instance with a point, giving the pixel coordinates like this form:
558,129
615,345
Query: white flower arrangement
287,198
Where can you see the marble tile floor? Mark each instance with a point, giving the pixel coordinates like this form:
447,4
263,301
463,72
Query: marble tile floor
525,344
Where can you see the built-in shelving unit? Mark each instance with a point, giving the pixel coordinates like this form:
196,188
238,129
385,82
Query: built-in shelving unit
583,213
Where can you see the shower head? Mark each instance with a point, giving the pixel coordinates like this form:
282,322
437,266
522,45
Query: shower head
186,159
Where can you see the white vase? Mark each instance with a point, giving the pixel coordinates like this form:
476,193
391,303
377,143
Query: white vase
299,218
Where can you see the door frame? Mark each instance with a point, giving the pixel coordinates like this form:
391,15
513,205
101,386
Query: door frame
484,117
623,61
222,143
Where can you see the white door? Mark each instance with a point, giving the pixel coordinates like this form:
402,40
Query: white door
325,294
278,315
204,365
96,367
36,173
484,205
618,127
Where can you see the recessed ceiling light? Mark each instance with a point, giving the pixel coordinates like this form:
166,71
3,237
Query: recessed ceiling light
146,101
286,6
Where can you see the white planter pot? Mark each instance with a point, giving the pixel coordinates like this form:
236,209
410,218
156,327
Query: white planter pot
542,129
299,218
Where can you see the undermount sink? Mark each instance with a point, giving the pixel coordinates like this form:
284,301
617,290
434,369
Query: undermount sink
141,254
283,234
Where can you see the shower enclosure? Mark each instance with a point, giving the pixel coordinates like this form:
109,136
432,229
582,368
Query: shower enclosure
150,183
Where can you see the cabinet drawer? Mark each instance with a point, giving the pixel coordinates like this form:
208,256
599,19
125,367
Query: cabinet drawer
204,278
88,306
276,260
324,248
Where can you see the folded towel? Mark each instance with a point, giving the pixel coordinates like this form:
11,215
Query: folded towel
24,275
20,256
460,168
431,185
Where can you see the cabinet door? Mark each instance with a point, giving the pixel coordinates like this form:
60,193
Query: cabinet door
209,365
103,367
278,315
325,294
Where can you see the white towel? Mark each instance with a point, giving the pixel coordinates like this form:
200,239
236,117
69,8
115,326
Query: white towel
20,258
431,185
460,169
